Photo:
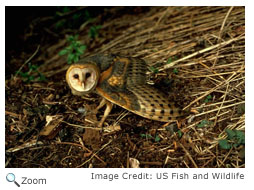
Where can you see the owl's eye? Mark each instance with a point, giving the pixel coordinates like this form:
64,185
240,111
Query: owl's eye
76,76
88,75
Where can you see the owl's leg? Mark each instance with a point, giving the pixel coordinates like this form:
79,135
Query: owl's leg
102,103
106,112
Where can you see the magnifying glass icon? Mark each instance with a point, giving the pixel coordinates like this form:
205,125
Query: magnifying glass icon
11,178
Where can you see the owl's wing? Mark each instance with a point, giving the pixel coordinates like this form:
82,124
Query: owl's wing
154,104
124,84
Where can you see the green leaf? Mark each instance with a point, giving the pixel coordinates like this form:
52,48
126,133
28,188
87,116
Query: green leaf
231,134
80,50
82,47
76,44
175,71
240,137
75,36
236,137
169,60
208,98
66,10
223,143
60,24
241,109
154,70
24,75
42,77
30,78
204,123
157,138
98,27
63,52
180,133
76,58
93,32
72,38
33,67
71,56
148,136
87,15
76,16
69,48
74,50
240,134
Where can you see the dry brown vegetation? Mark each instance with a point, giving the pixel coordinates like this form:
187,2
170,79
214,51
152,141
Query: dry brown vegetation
198,57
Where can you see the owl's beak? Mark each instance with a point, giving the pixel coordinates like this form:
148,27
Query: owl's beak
83,84
82,81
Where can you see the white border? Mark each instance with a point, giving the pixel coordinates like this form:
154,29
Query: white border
125,3
81,178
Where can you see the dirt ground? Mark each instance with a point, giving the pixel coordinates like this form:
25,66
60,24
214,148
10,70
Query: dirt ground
195,55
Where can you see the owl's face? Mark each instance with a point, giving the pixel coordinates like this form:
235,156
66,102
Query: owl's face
82,78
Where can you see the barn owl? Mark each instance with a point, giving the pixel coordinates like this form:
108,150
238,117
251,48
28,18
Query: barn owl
121,81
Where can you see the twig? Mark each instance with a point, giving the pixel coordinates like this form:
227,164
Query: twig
189,155
27,61
161,17
81,126
216,109
25,145
225,94
221,29
84,148
12,114
95,154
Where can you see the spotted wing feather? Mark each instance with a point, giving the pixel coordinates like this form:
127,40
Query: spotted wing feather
124,84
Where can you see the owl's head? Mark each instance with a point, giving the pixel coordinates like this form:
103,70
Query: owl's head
82,78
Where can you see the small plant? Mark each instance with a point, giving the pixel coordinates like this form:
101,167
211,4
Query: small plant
179,133
204,123
171,59
94,31
157,138
208,99
241,109
31,74
61,10
77,16
153,69
175,71
60,24
74,50
147,136
234,138
71,22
